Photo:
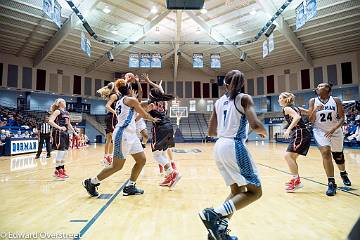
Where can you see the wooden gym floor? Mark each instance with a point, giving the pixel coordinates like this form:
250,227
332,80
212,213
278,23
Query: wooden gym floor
32,201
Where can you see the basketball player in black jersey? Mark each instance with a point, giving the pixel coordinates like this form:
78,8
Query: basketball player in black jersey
300,138
60,121
162,133
111,94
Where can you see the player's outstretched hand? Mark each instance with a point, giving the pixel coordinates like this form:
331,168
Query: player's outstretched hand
156,120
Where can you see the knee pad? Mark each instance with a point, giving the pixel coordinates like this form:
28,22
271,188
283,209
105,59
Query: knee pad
159,156
338,157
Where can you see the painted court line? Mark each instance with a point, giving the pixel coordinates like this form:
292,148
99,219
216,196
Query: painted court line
101,211
80,221
279,170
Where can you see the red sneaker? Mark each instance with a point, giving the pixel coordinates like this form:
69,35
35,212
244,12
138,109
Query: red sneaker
171,179
58,175
174,178
293,185
167,181
161,169
63,173
173,165
107,161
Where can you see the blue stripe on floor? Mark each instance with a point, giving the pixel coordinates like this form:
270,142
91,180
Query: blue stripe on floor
98,214
104,196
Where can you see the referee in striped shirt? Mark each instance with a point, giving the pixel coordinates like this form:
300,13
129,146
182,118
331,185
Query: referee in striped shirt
44,130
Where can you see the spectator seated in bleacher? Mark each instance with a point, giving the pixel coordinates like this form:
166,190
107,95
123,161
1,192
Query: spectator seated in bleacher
17,124
11,121
354,131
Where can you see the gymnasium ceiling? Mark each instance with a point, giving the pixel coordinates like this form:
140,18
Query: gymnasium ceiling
26,31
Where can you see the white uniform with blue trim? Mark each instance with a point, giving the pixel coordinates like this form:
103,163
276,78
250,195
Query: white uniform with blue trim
124,136
326,119
231,155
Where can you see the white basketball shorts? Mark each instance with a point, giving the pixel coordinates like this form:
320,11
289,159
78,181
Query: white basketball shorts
336,141
125,143
235,163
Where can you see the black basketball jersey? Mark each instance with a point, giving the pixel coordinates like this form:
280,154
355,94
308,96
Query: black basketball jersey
63,118
160,115
288,118
114,103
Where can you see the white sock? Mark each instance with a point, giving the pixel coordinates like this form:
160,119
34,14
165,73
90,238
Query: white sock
226,208
130,183
169,170
95,180
295,176
58,164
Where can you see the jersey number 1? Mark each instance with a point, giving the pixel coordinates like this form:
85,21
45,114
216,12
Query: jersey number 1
323,117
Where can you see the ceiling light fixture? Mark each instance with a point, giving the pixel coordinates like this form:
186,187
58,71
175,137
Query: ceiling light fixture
154,10
157,30
253,12
240,31
106,10
115,32
203,11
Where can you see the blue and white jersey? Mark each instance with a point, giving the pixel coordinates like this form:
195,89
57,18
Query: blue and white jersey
326,118
125,116
230,122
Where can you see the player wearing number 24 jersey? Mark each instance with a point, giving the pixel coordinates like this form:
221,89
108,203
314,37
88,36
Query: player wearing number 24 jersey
327,116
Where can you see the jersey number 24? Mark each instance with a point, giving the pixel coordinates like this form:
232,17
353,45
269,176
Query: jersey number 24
324,118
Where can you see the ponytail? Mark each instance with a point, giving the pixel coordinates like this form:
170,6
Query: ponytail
235,81
55,105
106,91
289,98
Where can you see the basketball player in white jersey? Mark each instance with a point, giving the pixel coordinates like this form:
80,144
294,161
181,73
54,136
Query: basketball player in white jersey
125,142
327,116
229,123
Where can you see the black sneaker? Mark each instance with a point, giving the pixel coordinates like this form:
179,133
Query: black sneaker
224,231
210,219
37,157
91,188
345,179
331,191
143,145
48,156
132,190
227,237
